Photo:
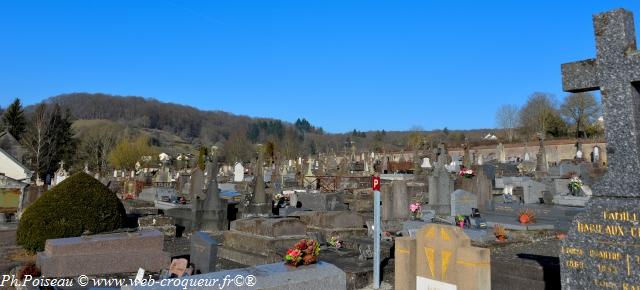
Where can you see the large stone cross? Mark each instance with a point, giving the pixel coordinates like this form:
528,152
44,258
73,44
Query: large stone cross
616,73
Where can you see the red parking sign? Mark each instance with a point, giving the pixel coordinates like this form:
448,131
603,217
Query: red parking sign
375,182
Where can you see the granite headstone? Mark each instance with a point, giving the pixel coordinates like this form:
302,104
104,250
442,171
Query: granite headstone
602,249
204,252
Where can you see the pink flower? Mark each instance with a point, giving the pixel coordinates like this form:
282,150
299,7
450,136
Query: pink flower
414,207
294,253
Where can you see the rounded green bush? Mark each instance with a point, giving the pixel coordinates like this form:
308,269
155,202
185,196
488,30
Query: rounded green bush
79,203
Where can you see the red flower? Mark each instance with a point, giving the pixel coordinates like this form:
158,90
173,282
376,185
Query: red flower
301,245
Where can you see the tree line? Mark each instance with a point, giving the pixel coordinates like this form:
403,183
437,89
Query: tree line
576,117
104,132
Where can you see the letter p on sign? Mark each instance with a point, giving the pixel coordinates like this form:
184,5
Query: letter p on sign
375,182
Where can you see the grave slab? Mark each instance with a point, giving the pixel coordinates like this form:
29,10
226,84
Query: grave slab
103,254
277,276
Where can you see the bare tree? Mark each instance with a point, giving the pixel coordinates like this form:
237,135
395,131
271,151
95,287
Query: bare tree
35,140
580,109
538,115
507,119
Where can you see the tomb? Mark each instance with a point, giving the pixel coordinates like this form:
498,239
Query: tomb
257,241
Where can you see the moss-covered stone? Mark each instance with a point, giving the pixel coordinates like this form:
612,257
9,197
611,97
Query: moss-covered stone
80,203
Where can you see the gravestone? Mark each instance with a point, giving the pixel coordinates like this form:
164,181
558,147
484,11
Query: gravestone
213,209
196,194
321,201
204,252
258,207
462,202
541,158
197,184
602,249
426,163
444,259
502,157
400,200
481,185
387,201
440,188
60,174
238,172
340,224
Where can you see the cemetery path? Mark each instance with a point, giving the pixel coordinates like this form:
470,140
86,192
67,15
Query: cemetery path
7,247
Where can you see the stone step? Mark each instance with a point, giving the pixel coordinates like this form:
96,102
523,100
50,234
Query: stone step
246,258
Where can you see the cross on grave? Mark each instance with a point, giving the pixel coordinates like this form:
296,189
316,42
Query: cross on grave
616,73
602,249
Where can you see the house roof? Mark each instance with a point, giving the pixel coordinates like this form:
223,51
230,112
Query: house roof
13,180
16,161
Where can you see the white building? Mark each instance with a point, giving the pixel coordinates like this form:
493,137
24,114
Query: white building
12,168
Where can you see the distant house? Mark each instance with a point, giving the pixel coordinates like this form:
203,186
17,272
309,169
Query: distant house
12,168
9,144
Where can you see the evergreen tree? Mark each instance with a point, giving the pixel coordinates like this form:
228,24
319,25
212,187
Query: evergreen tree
62,145
202,157
14,119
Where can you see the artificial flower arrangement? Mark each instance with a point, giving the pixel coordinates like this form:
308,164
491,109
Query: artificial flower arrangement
526,216
575,184
460,220
500,233
466,172
416,210
303,252
335,242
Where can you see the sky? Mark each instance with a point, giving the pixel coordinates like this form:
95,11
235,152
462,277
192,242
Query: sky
341,64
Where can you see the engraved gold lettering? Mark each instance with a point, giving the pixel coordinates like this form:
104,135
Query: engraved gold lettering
614,230
607,269
573,251
589,228
575,264
605,284
626,286
605,255
620,216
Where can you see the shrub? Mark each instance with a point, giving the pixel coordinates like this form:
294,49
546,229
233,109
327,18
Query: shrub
80,203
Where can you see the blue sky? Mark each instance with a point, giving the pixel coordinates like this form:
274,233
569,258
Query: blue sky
341,64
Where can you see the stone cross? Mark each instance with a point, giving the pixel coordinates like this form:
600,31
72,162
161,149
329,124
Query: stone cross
616,73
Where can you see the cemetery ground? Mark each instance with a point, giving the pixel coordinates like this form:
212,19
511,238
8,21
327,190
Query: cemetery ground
505,217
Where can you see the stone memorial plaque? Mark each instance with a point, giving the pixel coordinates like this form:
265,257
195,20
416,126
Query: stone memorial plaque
178,266
603,247
423,283
139,275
